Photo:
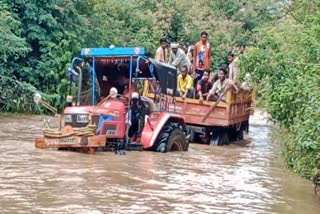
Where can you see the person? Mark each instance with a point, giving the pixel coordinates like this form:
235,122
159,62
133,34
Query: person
177,57
138,111
184,83
247,85
203,86
162,52
242,48
237,58
220,87
191,56
185,48
123,84
233,69
191,53
202,53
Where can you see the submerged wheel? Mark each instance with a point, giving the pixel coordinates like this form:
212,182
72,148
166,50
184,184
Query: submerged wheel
171,138
240,135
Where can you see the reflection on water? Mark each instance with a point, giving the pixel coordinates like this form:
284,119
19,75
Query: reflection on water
243,178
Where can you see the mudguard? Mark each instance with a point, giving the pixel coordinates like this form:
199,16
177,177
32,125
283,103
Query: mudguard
154,123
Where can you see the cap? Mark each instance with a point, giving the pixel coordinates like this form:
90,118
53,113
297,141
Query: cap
69,99
134,95
113,92
174,45
247,76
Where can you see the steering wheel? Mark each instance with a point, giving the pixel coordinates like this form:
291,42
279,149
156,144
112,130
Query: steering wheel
121,98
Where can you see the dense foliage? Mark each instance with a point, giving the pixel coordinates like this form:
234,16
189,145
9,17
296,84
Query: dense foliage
286,64
42,36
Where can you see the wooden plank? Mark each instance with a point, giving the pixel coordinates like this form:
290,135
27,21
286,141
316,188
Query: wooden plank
231,112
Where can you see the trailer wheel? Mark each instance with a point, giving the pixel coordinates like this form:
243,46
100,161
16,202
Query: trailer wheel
224,140
240,135
171,138
219,139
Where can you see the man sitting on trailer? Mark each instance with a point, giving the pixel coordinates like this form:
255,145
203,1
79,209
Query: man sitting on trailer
184,83
221,86
233,69
203,86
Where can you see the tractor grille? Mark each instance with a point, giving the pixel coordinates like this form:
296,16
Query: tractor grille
74,122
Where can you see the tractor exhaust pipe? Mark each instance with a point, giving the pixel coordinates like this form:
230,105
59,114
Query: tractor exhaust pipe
79,84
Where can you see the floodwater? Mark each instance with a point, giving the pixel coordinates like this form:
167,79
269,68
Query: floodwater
243,178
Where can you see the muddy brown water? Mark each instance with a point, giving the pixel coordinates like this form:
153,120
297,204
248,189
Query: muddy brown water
245,178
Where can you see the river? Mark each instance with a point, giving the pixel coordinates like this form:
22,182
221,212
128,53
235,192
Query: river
248,177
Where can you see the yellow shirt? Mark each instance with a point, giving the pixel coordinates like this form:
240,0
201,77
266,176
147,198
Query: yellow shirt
184,84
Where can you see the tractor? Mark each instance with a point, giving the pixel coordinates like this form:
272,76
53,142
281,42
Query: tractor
94,119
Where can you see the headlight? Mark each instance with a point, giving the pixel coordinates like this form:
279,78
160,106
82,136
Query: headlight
67,118
82,118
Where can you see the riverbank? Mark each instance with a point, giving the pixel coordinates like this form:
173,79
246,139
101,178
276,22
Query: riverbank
292,154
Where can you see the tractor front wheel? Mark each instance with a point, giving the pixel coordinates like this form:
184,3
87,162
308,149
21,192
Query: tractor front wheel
171,138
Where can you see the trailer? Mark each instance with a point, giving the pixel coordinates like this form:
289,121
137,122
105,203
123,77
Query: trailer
207,121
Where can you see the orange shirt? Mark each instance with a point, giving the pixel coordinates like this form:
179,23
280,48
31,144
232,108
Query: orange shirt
202,54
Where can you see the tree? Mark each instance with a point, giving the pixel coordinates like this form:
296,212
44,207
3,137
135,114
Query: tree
13,45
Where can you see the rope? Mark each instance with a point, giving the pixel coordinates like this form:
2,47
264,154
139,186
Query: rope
87,131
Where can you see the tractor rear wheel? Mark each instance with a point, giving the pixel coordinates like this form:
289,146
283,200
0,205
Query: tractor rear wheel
171,138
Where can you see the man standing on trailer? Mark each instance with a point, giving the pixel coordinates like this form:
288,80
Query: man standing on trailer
202,57
202,53
178,58
185,48
236,62
233,68
162,52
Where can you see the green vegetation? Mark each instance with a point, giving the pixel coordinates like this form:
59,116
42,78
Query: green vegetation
41,37
286,64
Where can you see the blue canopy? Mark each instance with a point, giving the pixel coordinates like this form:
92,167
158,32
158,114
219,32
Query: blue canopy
112,52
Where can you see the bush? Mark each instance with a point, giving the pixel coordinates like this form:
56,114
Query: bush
17,96
287,57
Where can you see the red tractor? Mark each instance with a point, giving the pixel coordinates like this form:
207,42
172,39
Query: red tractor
108,112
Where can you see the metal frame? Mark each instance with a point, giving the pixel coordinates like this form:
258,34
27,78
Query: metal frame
116,51
110,52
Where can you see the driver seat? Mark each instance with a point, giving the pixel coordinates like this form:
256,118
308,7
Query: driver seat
148,103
